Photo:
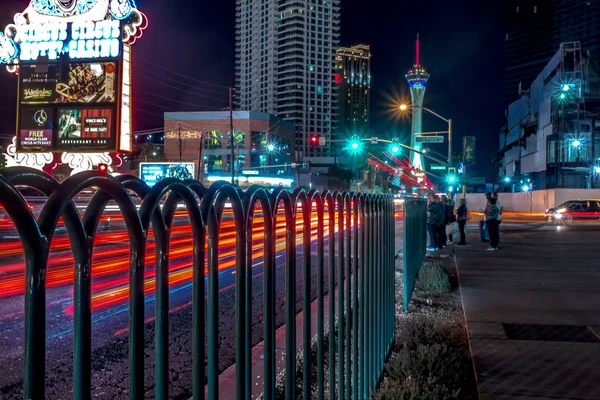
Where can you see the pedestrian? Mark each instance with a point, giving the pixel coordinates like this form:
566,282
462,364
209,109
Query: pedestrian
483,231
451,219
492,214
461,216
434,215
443,222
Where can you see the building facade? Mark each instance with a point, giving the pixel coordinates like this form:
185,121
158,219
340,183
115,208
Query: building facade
353,77
552,136
263,143
535,29
285,60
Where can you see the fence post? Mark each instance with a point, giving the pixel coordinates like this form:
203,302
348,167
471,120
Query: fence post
415,215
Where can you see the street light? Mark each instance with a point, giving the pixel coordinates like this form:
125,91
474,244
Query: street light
525,188
566,87
507,179
597,170
576,143
395,149
404,107
271,147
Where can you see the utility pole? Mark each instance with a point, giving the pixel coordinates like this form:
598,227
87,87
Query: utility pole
200,159
450,141
180,144
232,141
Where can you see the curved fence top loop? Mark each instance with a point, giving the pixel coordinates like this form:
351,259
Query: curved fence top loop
317,197
179,190
280,195
46,185
300,196
61,197
253,195
213,202
17,208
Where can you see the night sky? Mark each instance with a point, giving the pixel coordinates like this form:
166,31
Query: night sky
185,61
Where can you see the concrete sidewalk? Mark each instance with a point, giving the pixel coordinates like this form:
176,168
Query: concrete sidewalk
533,313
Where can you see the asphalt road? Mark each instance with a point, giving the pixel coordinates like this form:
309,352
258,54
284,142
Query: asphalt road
110,316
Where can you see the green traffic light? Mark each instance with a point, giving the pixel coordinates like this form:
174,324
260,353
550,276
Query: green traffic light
354,145
451,179
395,149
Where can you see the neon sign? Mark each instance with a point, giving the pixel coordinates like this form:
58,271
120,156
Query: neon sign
78,29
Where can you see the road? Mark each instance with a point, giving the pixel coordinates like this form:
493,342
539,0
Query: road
109,304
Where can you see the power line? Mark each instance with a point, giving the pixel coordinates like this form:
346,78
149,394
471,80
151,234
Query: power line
162,77
175,100
183,76
189,92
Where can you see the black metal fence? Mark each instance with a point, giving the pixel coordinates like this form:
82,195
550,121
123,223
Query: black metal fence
362,261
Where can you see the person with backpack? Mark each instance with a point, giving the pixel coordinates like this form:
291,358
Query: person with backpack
434,218
450,220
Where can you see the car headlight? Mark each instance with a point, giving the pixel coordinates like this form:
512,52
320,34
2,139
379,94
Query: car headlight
561,210
558,216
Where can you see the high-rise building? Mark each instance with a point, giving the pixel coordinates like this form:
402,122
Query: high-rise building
285,60
417,78
536,28
353,76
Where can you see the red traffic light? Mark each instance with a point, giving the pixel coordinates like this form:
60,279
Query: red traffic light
102,168
314,139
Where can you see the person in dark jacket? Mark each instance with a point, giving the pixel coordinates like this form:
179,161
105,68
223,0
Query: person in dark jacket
461,216
450,220
492,218
434,218
443,222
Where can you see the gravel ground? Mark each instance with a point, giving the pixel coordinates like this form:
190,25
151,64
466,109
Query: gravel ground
444,307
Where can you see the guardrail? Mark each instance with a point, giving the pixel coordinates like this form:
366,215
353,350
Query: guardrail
415,244
363,263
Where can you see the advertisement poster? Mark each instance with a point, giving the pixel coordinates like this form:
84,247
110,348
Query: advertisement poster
85,127
89,83
151,173
35,131
38,84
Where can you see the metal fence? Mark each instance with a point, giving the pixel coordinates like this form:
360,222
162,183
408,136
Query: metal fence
363,262
415,243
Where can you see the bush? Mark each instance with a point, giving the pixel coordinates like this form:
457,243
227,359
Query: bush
434,278
429,389
417,329
427,372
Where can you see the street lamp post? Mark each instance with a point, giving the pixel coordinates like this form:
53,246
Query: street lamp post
404,107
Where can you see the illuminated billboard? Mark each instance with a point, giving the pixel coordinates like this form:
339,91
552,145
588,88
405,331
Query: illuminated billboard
73,63
153,172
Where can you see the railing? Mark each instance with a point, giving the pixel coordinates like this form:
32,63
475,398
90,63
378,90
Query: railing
415,242
363,263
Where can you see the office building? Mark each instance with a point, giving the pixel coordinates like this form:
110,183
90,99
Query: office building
263,143
552,136
353,76
285,60
535,29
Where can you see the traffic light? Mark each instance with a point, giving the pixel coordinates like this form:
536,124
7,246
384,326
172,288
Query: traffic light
451,177
103,168
354,143
395,145
314,140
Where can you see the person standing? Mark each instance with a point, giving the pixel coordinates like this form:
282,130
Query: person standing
434,215
450,220
461,216
492,213
443,222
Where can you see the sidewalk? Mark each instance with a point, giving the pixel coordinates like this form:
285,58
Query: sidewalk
533,313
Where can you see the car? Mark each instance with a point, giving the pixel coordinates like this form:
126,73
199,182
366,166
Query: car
587,209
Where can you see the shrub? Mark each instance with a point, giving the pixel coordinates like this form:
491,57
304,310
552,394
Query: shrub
417,329
434,278
429,389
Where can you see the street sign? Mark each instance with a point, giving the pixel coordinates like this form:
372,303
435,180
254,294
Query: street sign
469,150
437,167
476,180
430,139
374,140
250,172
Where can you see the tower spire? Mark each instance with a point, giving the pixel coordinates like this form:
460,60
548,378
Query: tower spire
418,51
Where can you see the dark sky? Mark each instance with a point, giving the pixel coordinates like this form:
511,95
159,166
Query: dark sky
188,51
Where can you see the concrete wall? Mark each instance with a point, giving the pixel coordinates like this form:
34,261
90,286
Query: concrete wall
536,201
